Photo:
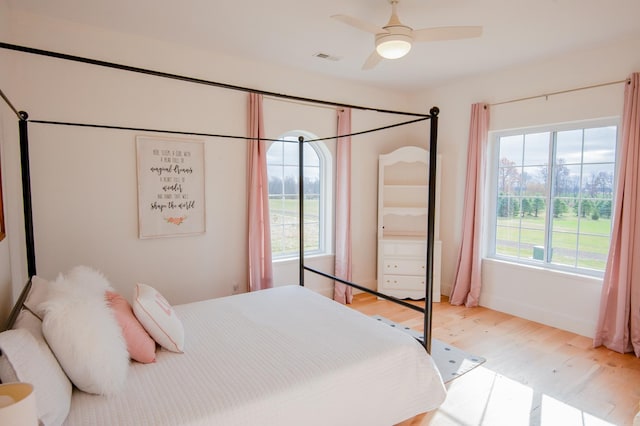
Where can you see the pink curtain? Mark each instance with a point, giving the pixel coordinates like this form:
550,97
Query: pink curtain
619,321
467,284
260,267
341,292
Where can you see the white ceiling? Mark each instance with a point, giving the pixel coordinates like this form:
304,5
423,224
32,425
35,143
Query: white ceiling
290,32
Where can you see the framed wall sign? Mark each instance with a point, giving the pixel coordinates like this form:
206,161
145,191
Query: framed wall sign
171,200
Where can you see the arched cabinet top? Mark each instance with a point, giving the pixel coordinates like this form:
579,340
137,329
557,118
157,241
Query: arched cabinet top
407,154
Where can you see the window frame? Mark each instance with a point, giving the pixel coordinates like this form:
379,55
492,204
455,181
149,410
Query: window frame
325,208
491,189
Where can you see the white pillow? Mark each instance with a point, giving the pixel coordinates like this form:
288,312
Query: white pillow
30,317
83,332
37,294
158,317
27,359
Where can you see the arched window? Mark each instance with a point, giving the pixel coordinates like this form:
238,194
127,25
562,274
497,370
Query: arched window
282,170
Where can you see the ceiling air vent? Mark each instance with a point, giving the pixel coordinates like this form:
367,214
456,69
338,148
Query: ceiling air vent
326,56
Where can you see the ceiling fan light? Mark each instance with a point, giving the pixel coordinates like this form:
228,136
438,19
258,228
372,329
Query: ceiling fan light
393,46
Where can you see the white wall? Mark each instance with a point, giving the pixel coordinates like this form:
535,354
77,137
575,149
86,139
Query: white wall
6,121
84,180
562,300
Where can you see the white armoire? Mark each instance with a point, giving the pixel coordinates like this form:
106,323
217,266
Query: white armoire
403,188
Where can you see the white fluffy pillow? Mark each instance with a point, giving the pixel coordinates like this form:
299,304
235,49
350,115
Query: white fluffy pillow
158,317
83,332
88,281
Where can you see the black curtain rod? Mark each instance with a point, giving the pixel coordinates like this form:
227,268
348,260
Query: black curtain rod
560,92
97,62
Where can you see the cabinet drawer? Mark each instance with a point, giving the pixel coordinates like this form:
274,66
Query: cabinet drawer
403,266
410,249
403,282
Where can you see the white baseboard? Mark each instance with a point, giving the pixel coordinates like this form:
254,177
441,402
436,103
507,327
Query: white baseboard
538,314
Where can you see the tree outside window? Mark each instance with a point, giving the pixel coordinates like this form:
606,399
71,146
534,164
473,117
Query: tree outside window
283,175
558,215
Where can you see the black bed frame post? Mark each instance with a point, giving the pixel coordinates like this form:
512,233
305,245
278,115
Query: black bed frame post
433,159
26,193
301,205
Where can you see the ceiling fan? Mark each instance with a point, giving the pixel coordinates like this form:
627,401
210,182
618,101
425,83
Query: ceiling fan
394,40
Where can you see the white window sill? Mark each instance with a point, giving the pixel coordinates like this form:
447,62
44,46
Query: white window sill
560,274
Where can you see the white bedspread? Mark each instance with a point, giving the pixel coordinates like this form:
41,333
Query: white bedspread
284,356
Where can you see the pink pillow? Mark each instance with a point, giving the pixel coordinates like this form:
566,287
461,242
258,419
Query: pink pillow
141,346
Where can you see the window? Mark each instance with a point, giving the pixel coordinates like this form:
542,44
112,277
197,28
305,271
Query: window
558,216
282,166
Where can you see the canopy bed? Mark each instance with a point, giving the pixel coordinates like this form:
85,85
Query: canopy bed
278,356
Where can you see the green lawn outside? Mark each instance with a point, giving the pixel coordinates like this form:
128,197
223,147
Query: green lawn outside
284,225
290,207
593,242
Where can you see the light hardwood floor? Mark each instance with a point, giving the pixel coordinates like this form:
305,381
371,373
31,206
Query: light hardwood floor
534,374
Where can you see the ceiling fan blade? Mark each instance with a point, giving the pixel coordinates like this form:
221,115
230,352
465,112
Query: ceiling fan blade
446,33
359,24
373,60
